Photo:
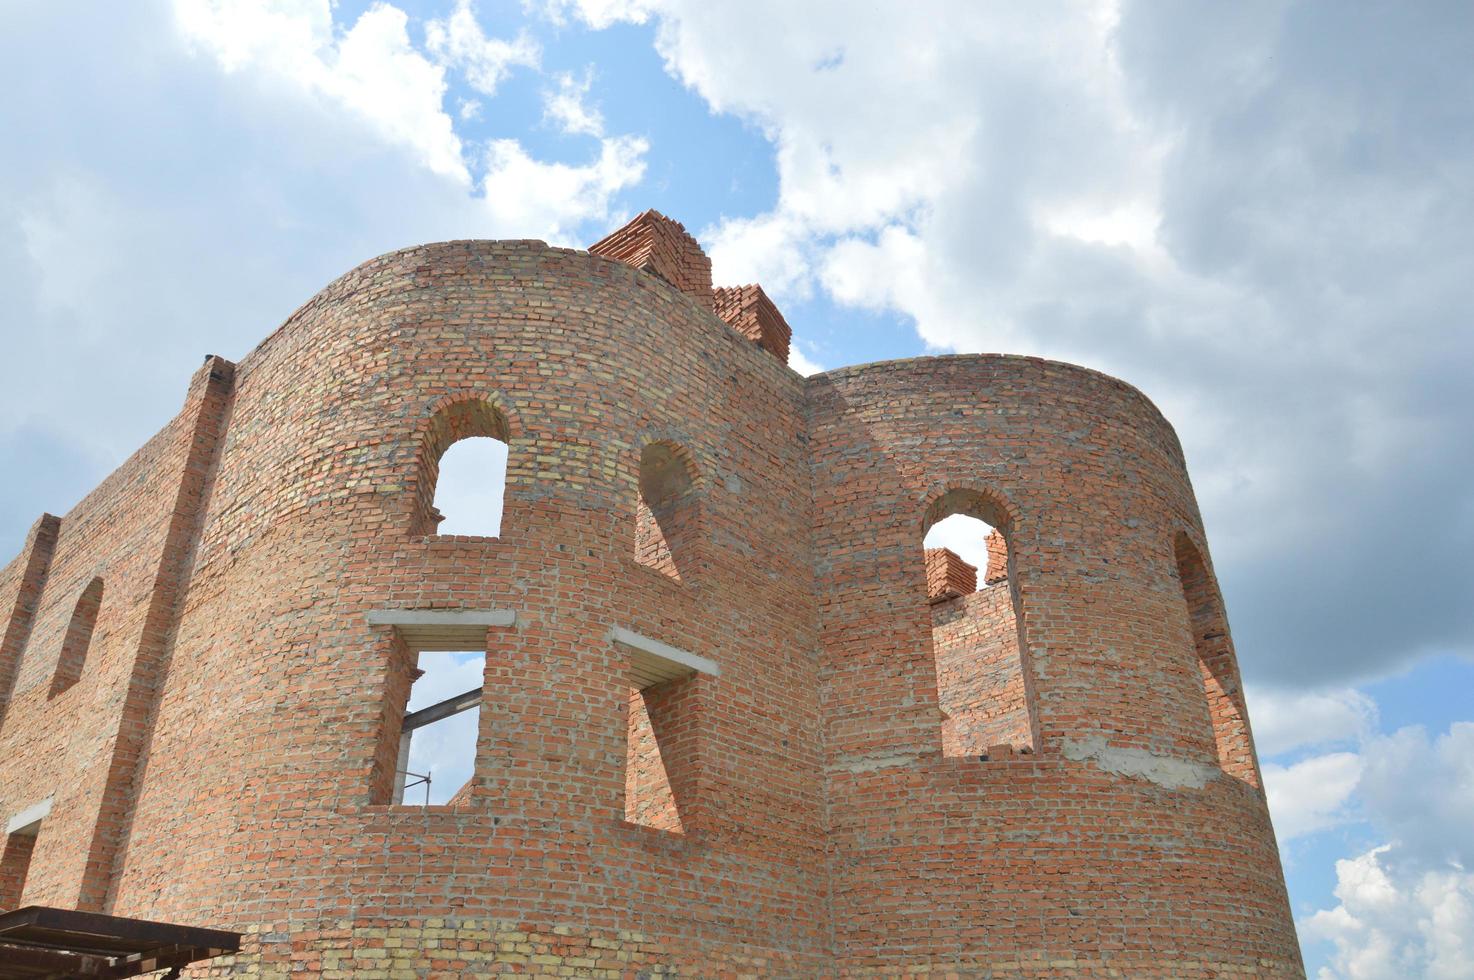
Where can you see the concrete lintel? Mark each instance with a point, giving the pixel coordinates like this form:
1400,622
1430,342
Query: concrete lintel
27,818
443,629
654,662
442,617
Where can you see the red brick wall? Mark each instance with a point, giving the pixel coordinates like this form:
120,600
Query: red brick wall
1120,843
948,576
980,680
82,745
749,311
269,729
15,861
237,709
648,799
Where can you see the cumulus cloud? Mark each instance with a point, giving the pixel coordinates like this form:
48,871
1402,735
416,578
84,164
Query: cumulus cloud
372,70
213,166
1258,214
1312,794
1406,908
1421,791
1285,720
566,105
550,199
458,41
1387,929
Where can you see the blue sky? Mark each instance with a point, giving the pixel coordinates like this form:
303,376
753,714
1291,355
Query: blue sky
1258,213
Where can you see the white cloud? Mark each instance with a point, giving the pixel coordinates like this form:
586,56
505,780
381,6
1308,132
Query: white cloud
1421,792
768,249
372,70
1407,907
1288,719
1312,794
459,42
1389,929
801,363
1263,231
566,106
598,14
550,200
445,750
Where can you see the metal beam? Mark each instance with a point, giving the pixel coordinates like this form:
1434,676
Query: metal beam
436,712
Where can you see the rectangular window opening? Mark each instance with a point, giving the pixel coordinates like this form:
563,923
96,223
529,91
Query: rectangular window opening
663,730
15,864
977,643
438,736
649,800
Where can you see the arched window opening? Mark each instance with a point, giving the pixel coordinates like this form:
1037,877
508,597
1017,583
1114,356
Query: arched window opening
437,742
666,515
983,688
463,469
78,638
472,485
1217,662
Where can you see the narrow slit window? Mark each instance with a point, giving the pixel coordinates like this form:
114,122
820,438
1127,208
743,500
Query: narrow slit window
666,514
78,638
1217,662
983,688
437,742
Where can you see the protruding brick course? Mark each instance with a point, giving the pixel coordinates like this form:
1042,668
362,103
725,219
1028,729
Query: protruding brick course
749,311
948,576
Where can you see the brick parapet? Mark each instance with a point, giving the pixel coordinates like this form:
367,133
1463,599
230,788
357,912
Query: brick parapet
997,570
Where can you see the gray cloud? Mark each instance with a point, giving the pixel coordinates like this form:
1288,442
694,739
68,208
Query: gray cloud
1259,214
1275,247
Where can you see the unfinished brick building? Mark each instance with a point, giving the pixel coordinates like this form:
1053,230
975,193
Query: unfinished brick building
733,720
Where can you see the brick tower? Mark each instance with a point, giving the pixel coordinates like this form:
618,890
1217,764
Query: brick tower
733,721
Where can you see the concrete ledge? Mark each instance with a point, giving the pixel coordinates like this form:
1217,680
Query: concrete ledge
443,629
27,818
653,662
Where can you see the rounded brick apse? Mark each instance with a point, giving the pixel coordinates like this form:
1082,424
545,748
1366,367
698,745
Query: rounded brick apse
734,719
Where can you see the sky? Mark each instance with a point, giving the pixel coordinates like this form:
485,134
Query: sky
1258,213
